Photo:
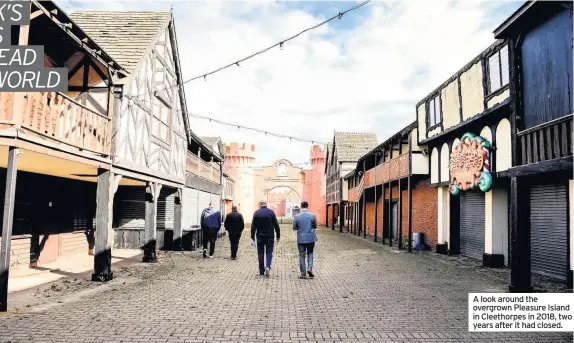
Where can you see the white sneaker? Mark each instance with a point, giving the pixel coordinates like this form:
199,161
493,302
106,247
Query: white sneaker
210,256
267,272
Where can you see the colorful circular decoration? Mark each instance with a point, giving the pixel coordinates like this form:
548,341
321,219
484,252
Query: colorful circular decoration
469,164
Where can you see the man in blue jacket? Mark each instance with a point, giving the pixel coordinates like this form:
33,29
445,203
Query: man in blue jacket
210,225
305,223
263,223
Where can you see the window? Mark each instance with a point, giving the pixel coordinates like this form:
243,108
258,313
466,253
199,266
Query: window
160,122
434,115
498,73
282,169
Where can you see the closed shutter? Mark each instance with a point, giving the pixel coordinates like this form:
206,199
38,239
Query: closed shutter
166,208
189,208
549,230
472,224
131,207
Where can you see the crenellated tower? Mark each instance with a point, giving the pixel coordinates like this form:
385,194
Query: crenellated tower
239,162
315,185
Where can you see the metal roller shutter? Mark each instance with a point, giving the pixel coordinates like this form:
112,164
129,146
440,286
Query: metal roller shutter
131,207
166,208
549,230
472,224
189,208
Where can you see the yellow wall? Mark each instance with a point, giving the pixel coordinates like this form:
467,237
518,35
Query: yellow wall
436,131
503,151
414,140
498,99
486,134
472,92
421,117
450,105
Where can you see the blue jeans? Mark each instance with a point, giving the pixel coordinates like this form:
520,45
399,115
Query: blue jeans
265,250
306,248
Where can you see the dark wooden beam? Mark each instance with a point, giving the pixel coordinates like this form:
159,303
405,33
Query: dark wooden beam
7,222
558,164
390,213
400,212
341,215
97,69
520,274
77,67
376,213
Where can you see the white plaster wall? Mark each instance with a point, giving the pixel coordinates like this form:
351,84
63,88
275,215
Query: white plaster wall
472,91
414,140
496,222
444,160
486,133
421,117
503,151
420,164
443,215
434,165
434,132
498,99
450,105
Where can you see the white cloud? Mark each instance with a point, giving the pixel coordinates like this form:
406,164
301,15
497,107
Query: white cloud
332,78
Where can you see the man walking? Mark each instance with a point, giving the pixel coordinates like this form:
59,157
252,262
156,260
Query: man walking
305,223
234,225
210,225
263,223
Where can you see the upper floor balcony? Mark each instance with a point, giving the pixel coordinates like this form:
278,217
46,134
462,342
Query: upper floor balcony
56,118
203,169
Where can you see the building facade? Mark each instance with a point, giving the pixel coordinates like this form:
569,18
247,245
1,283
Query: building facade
540,185
390,198
342,157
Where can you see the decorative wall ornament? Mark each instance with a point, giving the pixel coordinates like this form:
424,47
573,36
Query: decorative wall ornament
469,164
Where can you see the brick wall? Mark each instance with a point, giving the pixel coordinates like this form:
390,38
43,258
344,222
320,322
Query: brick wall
425,211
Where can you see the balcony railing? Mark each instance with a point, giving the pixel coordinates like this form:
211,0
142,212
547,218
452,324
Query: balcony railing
395,169
58,117
354,194
547,141
198,167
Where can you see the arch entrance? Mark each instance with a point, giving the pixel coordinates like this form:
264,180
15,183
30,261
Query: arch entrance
281,185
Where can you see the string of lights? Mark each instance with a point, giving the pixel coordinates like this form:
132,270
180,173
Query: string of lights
280,44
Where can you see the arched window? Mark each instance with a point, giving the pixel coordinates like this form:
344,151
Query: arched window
282,169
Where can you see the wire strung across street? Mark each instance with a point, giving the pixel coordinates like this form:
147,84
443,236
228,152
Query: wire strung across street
280,44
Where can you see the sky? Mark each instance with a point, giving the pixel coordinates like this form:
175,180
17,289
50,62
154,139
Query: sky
361,73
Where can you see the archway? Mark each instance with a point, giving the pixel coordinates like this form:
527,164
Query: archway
284,201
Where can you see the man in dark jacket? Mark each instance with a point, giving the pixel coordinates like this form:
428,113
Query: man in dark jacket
210,225
263,223
234,225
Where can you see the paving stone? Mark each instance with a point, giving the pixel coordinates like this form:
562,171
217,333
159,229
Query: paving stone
362,292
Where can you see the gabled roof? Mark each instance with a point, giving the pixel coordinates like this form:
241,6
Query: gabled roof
350,146
125,35
211,141
402,133
528,16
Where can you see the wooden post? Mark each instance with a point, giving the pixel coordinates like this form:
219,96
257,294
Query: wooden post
150,236
333,217
376,212
391,211
410,191
177,229
364,213
7,222
520,274
341,215
400,211
107,185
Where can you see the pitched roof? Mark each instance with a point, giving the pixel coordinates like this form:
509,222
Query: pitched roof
211,141
350,146
124,35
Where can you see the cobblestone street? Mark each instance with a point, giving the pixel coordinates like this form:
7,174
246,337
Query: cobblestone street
362,292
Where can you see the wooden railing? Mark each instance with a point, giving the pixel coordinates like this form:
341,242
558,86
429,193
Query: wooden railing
197,166
547,141
395,169
354,194
58,117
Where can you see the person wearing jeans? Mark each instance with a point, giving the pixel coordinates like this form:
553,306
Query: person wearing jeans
210,225
305,223
263,224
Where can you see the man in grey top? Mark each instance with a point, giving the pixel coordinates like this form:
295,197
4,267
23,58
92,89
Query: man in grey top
305,223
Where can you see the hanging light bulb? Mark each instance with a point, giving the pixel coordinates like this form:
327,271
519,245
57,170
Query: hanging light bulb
205,78
340,15
281,45
237,64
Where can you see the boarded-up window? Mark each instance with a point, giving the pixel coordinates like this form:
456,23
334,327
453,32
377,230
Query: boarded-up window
498,70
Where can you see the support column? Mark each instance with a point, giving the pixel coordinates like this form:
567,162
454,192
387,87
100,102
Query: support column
177,227
571,231
376,214
410,191
327,215
341,215
443,222
108,183
391,212
496,228
333,217
152,194
520,277
400,219
7,223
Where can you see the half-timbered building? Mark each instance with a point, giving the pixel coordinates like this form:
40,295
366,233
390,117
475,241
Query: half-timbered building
390,198
53,145
342,156
539,166
168,167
